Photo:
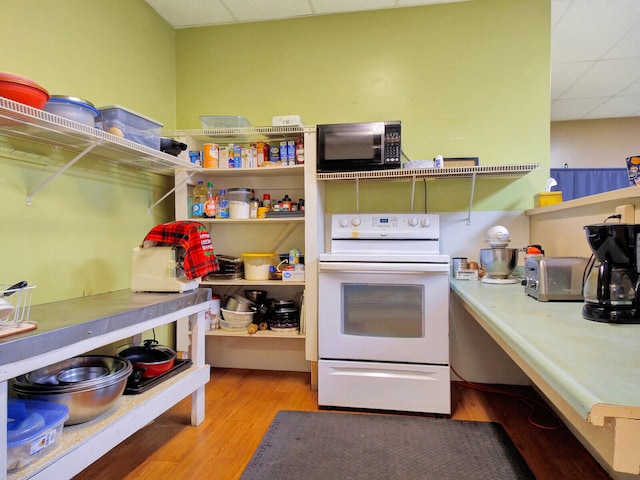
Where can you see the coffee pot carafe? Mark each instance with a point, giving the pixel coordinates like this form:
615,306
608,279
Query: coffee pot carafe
611,290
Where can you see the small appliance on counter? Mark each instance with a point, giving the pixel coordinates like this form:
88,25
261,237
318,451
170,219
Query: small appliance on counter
554,278
498,261
611,292
173,257
160,269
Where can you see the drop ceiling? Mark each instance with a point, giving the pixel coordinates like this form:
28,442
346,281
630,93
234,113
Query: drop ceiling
595,44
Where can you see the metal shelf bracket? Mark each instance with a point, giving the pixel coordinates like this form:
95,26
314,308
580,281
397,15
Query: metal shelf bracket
186,179
62,170
473,188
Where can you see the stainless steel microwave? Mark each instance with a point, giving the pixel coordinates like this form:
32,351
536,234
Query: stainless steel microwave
346,147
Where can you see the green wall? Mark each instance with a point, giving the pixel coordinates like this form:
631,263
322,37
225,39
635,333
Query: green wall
465,79
77,236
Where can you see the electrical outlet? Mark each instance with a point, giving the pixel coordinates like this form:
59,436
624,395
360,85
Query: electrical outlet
627,212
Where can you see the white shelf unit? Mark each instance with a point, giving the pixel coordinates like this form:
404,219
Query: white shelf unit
32,126
236,236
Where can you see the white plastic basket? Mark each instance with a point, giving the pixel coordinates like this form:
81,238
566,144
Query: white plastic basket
19,300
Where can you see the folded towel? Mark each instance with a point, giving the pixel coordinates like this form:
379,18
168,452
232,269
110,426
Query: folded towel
199,258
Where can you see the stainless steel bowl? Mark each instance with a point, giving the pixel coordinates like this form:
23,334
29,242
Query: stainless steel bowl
91,394
498,262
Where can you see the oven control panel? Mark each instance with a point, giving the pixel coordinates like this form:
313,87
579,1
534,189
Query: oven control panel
386,225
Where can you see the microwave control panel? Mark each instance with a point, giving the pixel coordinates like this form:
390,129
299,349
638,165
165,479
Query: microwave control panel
392,150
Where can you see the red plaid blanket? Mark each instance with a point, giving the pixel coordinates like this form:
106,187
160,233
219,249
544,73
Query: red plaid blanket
199,258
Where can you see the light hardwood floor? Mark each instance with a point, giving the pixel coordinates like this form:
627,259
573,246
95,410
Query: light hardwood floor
241,404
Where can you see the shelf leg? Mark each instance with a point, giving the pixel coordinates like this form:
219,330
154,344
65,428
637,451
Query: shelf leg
473,188
413,192
62,170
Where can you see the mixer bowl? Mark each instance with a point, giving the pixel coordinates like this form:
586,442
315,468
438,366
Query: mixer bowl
498,262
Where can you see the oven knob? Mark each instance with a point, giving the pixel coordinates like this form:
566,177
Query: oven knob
413,222
356,222
344,222
425,222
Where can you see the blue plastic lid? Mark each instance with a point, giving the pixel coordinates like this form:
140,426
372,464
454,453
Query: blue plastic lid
74,100
28,419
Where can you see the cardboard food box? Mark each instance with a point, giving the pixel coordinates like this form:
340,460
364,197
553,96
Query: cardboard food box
544,199
633,165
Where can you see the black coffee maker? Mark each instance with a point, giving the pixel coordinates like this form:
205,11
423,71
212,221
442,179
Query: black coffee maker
611,291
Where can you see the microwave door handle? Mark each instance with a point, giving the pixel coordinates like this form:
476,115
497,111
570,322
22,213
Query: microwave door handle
405,268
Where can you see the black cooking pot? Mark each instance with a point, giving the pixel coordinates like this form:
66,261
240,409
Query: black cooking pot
149,360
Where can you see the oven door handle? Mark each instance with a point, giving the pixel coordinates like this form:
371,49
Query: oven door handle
410,268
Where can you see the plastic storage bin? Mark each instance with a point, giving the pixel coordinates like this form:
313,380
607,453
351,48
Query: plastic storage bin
133,126
72,108
212,121
256,265
34,428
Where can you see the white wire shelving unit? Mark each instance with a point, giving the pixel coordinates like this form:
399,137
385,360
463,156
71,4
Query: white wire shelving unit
28,124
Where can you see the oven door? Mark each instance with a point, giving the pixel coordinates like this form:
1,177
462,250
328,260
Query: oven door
389,312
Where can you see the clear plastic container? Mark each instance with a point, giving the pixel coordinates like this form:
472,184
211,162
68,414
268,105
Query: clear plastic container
256,265
217,121
34,428
239,199
133,126
72,108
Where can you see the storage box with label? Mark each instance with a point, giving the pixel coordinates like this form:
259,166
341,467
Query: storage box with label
33,429
544,199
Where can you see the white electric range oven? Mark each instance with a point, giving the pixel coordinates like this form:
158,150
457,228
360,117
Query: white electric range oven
383,315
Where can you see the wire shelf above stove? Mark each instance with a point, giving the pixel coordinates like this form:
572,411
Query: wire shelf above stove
488,171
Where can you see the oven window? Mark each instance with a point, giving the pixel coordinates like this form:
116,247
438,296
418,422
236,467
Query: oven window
375,310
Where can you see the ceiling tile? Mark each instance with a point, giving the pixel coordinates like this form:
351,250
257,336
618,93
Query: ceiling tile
564,75
192,12
251,10
589,28
633,89
605,78
617,107
558,8
341,6
573,109
627,47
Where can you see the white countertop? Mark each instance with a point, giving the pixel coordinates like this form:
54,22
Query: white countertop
591,365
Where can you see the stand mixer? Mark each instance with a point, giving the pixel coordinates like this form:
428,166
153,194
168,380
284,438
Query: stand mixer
498,261
611,292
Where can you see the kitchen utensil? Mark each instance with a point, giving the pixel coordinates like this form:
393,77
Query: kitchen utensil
85,399
498,261
22,90
12,289
148,360
238,303
237,319
171,146
498,264
72,108
257,296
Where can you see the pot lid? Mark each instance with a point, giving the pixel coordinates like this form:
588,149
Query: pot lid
10,77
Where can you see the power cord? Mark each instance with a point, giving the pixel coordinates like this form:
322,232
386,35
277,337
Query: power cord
531,403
